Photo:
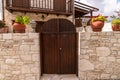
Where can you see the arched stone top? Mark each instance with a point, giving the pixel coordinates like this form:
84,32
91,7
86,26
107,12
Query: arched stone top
58,25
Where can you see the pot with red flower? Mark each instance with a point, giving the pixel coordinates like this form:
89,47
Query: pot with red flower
115,24
97,23
19,25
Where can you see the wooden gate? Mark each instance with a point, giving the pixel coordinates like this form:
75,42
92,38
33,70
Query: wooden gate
58,47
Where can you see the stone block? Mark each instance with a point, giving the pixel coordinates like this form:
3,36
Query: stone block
26,57
24,48
33,36
35,47
35,57
7,36
30,78
2,76
25,69
86,65
105,76
103,51
111,59
35,70
103,59
10,61
16,72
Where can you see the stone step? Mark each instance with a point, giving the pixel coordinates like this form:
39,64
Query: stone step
59,77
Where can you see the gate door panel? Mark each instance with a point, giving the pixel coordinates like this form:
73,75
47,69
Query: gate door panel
58,47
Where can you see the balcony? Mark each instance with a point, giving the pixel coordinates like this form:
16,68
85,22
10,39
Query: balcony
63,7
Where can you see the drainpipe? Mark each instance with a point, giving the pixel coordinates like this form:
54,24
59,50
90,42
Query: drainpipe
73,9
3,12
91,14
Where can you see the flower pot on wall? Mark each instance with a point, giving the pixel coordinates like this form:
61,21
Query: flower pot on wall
18,28
116,27
97,26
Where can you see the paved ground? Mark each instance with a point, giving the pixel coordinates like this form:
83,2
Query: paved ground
59,77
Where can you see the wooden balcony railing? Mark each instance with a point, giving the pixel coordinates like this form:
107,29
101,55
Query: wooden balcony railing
38,6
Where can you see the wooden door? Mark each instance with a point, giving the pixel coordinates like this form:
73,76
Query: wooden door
67,53
50,56
60,5
58,47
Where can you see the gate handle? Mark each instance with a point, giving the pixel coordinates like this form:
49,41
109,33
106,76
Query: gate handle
60,49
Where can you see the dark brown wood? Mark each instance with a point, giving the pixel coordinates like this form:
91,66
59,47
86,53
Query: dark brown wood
67,53
78,22
3,11
20,3
50,58
45,6
39,25
58,46
60,5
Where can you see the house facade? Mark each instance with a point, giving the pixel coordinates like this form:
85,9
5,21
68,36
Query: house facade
44,10
98,54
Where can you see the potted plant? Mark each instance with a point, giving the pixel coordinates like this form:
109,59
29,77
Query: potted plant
115,24
3,27
19,24
97,23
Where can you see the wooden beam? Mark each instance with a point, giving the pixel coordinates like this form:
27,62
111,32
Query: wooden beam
3,12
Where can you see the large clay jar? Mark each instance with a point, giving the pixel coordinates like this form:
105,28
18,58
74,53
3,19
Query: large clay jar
97,26
116,27
18,28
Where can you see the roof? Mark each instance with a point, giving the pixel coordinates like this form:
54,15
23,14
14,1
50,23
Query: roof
82,9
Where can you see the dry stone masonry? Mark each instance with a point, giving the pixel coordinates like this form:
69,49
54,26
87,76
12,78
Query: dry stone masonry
99,56
19,56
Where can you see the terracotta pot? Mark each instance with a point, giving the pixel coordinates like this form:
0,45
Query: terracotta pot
18,28
97,26
4,30
116,27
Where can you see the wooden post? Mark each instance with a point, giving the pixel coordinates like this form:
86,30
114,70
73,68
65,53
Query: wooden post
3,12
91,14
73,11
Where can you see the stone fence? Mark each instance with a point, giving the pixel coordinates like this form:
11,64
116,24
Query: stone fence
99,56
19,56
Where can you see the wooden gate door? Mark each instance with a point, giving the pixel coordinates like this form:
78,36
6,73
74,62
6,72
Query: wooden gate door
58,47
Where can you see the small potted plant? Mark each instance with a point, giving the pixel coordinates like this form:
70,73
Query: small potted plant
19,24
116,21
97,23
115,24
3,27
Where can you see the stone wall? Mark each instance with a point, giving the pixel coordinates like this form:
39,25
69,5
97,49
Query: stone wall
99,56
19,56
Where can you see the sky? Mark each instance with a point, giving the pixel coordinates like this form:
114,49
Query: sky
0,10
106,7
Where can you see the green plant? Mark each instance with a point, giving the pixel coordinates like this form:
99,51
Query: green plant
2,23
22,19
115,21
99,18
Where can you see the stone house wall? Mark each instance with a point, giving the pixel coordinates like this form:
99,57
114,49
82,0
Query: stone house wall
33,16
99,56
19,56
